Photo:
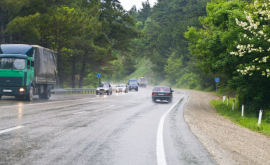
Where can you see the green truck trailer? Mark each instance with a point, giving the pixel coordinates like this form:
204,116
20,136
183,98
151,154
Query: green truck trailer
27,70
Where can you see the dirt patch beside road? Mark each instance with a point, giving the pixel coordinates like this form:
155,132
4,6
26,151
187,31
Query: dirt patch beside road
228,143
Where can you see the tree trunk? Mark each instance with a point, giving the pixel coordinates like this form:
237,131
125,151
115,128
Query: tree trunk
2,36
83,70
73,72
10,39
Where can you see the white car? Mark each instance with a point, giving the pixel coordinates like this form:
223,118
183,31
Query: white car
122,88
104,88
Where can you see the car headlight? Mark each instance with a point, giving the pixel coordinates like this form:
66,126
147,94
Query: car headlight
22,89
97,89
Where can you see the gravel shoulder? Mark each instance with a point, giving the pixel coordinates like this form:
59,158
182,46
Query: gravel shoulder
228,143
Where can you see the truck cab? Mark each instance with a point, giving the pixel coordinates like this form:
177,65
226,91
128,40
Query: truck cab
133,84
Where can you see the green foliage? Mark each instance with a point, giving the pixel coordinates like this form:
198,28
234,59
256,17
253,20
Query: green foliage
26,26
191,80
89,30
128,64
212,47
173,68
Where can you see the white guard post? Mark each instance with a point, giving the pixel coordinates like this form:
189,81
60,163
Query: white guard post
260,117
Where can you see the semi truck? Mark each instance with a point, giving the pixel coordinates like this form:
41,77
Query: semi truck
27,70
142,81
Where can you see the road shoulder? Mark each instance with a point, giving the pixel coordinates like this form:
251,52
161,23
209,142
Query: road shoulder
228,143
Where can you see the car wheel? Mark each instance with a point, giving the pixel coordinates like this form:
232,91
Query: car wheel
0,96
96,93
154,100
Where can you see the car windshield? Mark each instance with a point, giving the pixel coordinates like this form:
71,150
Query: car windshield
12,63
122,85
102,85
133,83
162,89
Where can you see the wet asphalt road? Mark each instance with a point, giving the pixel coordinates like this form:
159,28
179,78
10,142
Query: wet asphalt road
119,129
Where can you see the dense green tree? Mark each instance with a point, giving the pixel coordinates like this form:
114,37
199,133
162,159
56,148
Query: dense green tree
8,10
84,33
217,49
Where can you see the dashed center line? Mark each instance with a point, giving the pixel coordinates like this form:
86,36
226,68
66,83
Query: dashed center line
10,129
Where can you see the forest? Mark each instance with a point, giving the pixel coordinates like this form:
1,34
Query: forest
186,43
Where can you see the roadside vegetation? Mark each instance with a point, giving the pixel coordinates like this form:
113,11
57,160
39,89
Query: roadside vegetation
249,120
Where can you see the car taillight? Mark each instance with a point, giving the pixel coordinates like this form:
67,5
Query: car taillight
154,93
168,94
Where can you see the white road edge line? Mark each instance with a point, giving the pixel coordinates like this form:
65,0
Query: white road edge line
161,157
10,129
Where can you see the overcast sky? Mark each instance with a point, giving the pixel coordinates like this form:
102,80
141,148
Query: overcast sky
127,4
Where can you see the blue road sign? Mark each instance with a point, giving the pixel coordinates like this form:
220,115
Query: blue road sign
216,79
98,75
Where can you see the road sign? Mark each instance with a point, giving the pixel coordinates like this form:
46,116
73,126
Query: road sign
216,80
98,75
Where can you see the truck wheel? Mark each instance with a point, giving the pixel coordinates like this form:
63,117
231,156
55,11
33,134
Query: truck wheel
47,95
29,96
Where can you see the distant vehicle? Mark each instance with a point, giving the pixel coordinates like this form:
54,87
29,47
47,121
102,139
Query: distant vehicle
133,84
104,88
122,88
142,82
162,93
27,70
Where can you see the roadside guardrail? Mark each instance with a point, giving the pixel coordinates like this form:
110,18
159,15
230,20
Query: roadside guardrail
73,90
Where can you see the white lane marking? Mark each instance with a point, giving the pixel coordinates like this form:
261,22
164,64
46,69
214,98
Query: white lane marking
10,129
111,105
76,113
161,158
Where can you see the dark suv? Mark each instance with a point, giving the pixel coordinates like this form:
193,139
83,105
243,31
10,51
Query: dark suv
133,84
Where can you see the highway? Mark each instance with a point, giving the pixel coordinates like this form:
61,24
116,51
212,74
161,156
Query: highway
117,129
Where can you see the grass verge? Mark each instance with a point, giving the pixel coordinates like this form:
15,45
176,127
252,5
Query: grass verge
247,121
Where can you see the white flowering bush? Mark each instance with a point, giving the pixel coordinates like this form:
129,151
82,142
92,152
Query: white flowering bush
254,42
